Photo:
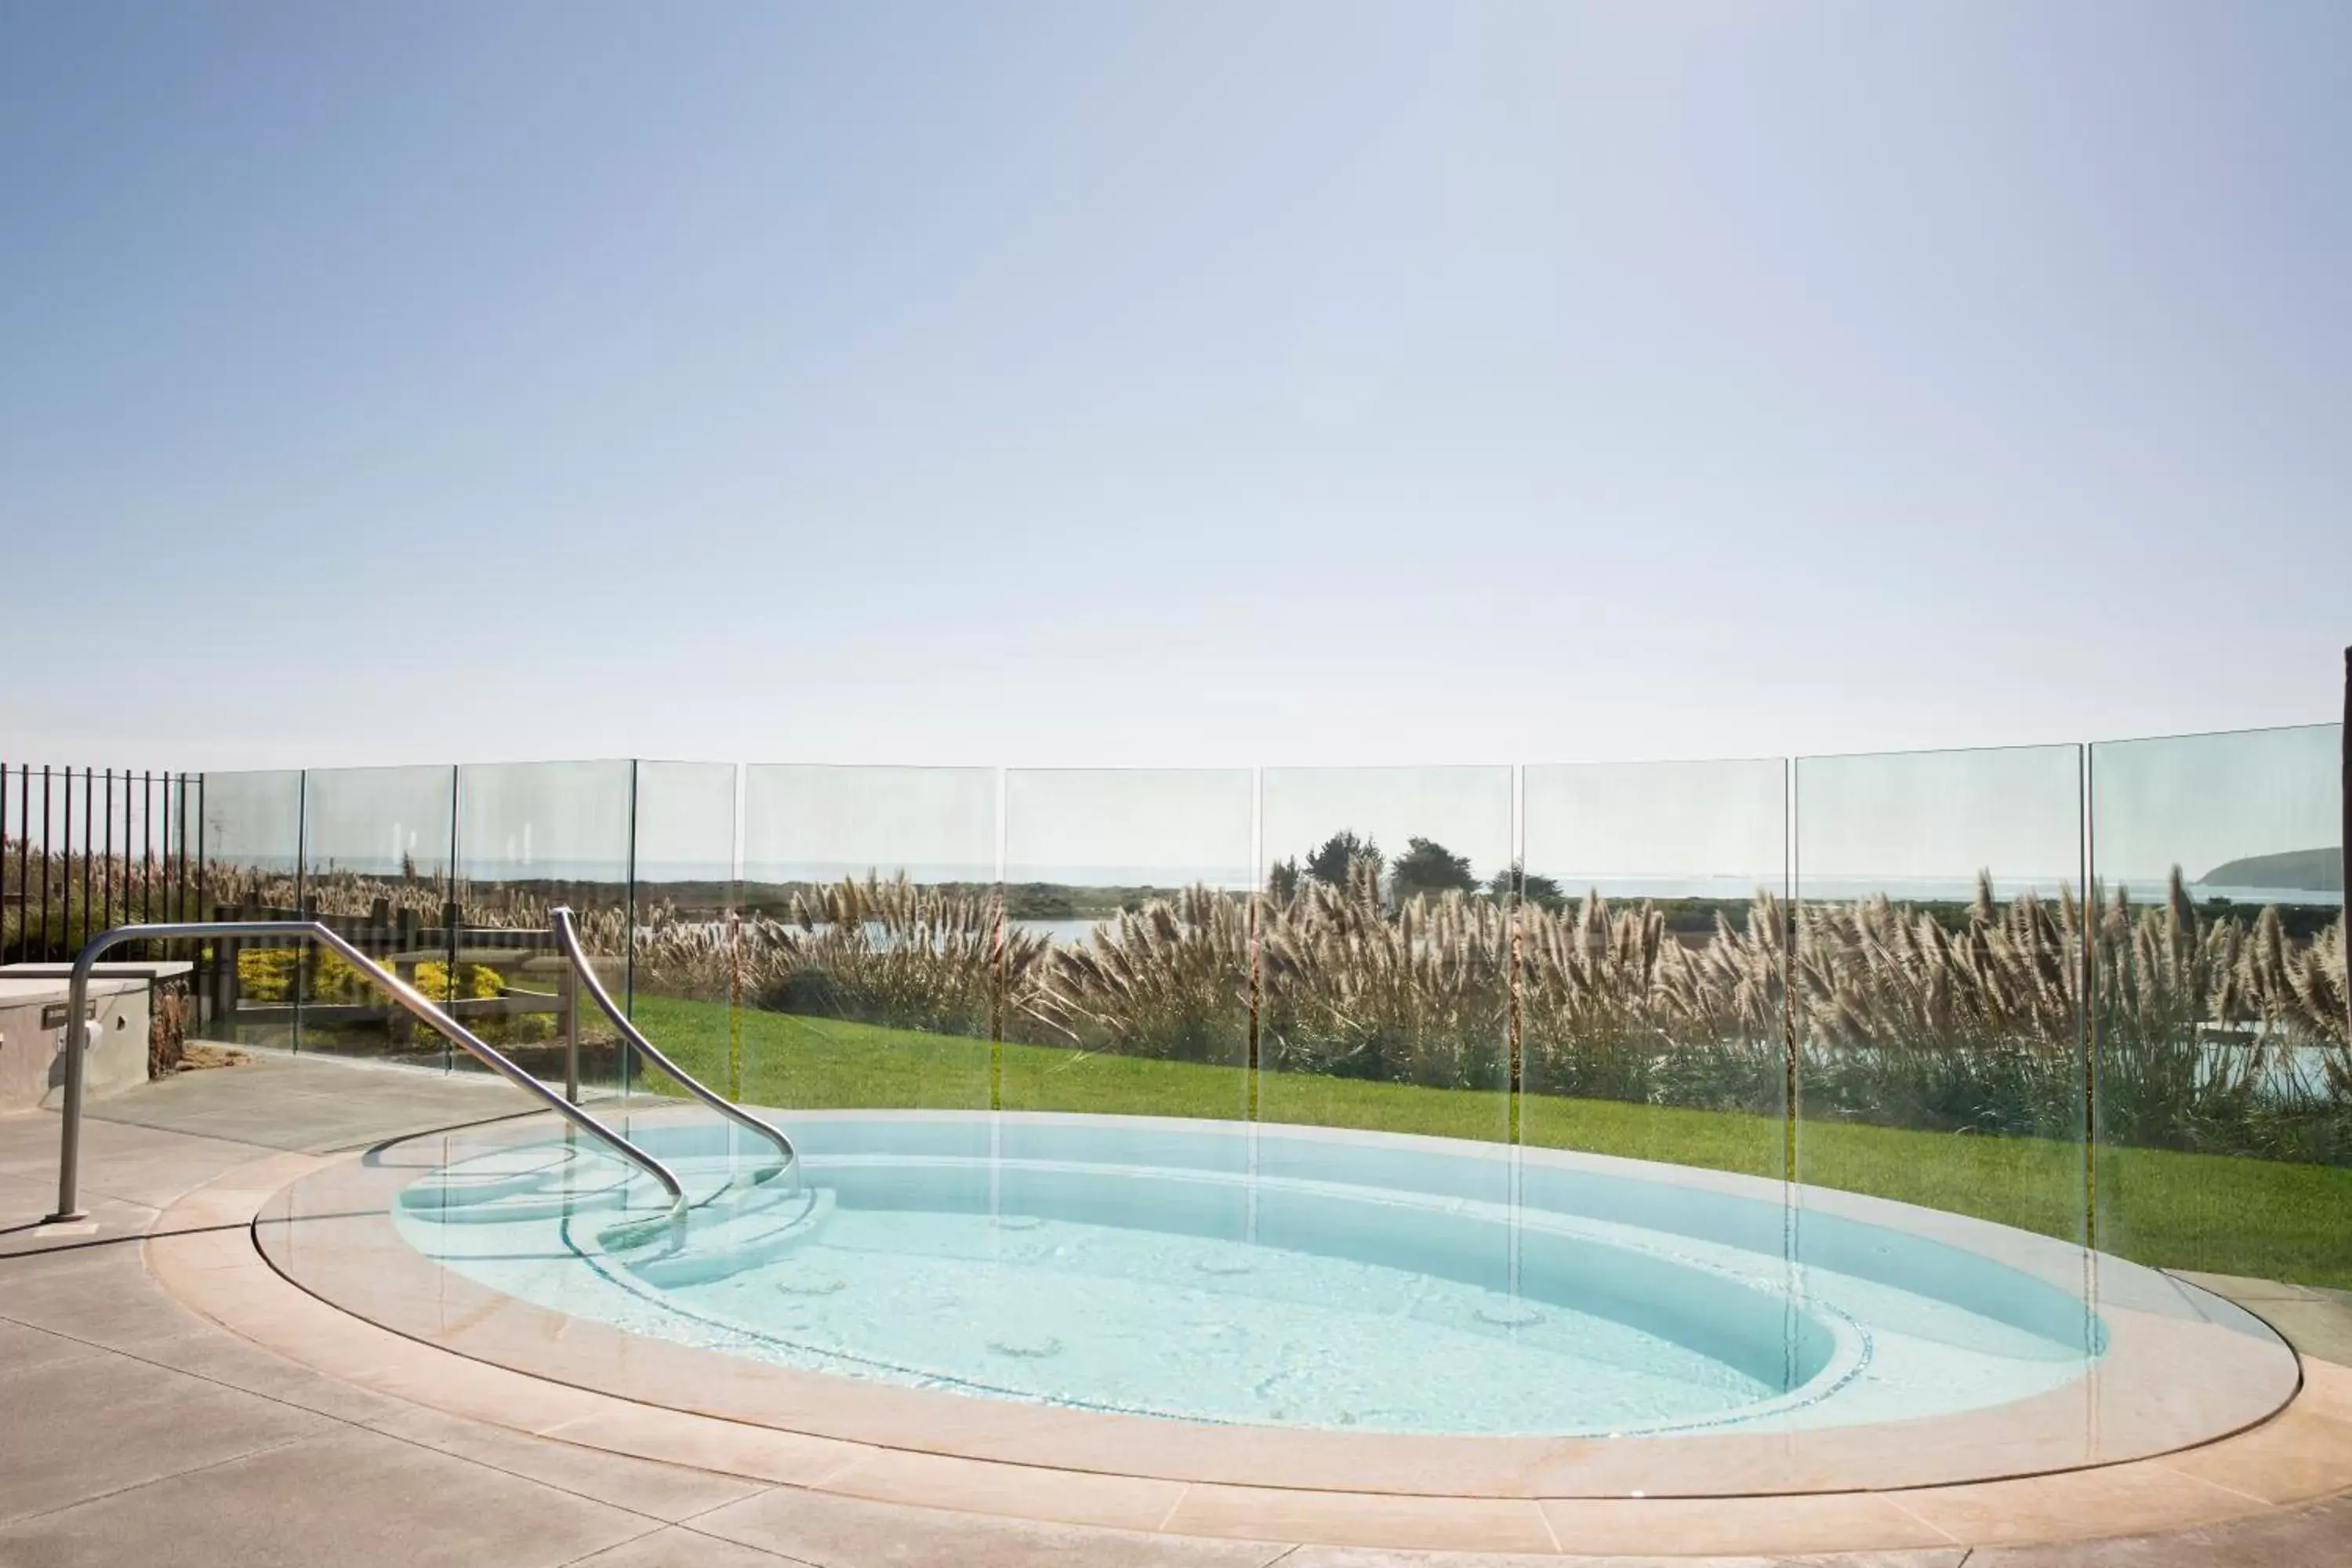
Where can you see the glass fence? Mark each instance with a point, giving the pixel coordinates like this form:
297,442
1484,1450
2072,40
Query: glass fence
1937,996
2093,992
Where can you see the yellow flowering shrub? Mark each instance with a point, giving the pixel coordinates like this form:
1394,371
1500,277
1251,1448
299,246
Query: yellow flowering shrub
267,974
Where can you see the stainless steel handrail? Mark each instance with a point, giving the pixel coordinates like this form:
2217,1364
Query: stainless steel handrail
407,995
567,937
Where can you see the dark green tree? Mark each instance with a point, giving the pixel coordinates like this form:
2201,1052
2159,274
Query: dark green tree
1534,887
1330,863
1428,867
1282,880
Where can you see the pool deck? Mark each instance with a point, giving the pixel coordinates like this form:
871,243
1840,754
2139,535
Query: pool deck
138,1428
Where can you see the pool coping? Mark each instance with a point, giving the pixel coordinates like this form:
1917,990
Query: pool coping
2301,1453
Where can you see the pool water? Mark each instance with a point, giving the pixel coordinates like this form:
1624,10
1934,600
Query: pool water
1215,1273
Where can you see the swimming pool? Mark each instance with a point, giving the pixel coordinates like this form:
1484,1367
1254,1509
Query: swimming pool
1221,1274
1276,1305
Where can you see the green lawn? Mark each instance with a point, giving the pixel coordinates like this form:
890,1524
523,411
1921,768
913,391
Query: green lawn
2259,1217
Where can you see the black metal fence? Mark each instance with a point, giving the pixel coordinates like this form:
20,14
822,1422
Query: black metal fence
82,849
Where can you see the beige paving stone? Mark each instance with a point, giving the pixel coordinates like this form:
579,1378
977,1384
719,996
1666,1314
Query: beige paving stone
851,1532
1362,1519
1366,1557
99,1294
2300,1457
1021,1491
2319,1536
25,1350
672,1547
2085,1503
1753,1526
204,1352
355,1499
81,1427
725,1446
642,1485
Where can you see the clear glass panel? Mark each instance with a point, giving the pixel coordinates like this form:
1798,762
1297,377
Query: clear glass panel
252,848
1939,954
1384,949
687,980
870,952
532,835
376,844
1127,962
2223,1099
1653,918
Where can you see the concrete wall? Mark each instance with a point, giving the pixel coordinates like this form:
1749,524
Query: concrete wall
32,1039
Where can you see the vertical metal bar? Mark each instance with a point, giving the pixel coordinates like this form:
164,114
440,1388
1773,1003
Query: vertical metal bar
45,859
24,857
146,845
106,876
3,867
89,790
64,867
2346,787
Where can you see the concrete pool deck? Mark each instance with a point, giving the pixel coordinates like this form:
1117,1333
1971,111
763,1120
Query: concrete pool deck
137,1428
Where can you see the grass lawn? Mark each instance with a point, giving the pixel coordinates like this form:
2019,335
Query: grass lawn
2259,1217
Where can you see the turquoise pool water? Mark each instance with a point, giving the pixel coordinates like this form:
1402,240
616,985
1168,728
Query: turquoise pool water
1217,1273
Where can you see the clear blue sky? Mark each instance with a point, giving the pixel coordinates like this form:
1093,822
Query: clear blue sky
1187,383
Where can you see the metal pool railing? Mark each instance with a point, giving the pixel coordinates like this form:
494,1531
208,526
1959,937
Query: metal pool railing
406,995
568,939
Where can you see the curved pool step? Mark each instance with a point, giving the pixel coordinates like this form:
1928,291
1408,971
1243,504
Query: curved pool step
718,1239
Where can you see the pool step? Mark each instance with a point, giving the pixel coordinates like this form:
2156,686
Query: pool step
719,1239
549,1181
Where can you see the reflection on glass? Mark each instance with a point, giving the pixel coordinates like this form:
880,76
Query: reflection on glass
1127,955
2223,1095
689,979
376,844
1653,921
869,943
252,845
532,835
1384,949
1939,961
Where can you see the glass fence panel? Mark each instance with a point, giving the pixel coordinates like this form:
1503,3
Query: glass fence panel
2223,1091
251,844
1127,969
532,835
869,949
1653,918
1384,949
1939,961
688,975
376,848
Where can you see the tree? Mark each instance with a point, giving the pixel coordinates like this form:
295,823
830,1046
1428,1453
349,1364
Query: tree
1428,867
1282,880
1330,862
1534,887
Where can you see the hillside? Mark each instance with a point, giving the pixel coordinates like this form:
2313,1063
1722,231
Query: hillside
2310,870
